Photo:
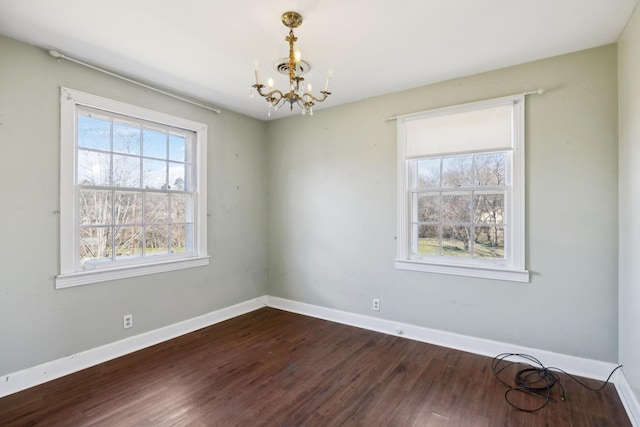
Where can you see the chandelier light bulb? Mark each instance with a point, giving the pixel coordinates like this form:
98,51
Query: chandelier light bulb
256,70
270,83
297,55
329,75
309,88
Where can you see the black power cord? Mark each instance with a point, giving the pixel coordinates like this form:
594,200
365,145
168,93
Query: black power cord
535,379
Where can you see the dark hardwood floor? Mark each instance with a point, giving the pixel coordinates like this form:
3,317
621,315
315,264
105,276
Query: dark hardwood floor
273,368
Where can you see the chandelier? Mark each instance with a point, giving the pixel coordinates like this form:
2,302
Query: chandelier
294,67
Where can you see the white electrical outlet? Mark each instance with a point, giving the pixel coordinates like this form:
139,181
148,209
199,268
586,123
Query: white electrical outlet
127,321
376,304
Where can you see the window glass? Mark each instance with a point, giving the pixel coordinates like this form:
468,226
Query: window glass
94,132
155,144
428,173
177,148
126,138
457,171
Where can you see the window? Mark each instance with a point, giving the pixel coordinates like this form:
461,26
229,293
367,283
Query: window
461,190
133,191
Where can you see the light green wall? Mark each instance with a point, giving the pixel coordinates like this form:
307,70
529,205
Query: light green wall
38,323
327,237
629,104
332,211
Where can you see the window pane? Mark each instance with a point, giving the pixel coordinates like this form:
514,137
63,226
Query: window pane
154,174
181,208
428,208
95,207
457,171
181,238
128,242
455,240
428,240
94,133
155,144
177,176
126,138
456,208
490,169
128,207
489,208
489,242
428,173
177,148
95,243
126,171
94,168
156,208
156,240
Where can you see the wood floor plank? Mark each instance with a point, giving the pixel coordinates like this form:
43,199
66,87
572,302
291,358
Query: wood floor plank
274,368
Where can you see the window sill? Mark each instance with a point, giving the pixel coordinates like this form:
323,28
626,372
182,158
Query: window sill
95,276
467,271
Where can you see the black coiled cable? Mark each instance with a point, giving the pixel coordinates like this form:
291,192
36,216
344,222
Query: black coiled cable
533,380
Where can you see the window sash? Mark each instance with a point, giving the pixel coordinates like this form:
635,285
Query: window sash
72,271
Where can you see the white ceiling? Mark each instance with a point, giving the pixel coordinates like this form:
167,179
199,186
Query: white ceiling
206,48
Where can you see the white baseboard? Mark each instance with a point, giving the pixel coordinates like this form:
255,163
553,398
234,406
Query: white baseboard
33,376
587,368
628,398
48,371
574,365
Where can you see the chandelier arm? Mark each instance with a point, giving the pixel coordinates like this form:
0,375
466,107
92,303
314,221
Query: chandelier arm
268,94
324,93
272,97
279,103
304,104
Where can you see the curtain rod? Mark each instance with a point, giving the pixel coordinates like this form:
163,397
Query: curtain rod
60,56
532,92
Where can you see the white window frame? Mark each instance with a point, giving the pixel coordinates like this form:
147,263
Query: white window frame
72,273
513,268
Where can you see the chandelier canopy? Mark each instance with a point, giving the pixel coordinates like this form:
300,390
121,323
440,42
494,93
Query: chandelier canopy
294,67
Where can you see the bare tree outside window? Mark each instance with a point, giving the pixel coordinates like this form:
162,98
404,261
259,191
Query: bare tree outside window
459,207
134,197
